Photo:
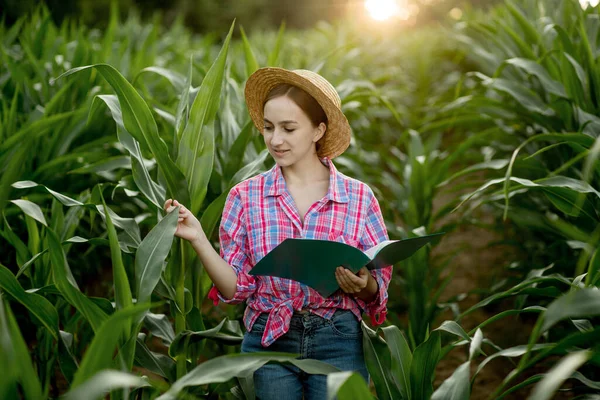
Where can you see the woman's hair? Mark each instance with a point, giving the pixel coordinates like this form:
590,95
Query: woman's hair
302,99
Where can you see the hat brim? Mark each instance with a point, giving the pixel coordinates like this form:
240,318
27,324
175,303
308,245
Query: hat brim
337,137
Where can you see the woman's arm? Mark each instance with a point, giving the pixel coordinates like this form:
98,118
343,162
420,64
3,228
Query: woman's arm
220,272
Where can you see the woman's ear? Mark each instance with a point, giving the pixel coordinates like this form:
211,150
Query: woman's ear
319,132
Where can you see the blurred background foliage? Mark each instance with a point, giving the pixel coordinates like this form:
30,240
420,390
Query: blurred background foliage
204,16
480,119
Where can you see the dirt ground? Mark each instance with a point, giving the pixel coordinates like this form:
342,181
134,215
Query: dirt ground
479,268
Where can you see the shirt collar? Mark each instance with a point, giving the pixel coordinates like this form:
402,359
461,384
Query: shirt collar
275,183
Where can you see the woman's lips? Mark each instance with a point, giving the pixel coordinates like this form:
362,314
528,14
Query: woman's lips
280,152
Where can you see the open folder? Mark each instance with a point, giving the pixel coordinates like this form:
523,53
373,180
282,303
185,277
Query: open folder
313,262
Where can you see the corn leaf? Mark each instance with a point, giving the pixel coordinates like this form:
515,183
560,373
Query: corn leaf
422,369
196,148
139,122
401,359
224,368
347,385
123,297
36,304
99,385
100,352
15,359
65,283
151,254
554,378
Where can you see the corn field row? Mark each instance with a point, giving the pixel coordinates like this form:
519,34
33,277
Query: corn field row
498,114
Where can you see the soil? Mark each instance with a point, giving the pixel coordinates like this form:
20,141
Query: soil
476,269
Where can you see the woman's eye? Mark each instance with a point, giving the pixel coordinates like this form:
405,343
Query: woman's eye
268,128
289,130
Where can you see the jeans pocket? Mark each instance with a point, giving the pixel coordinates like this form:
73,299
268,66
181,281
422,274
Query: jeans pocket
345,324
259,324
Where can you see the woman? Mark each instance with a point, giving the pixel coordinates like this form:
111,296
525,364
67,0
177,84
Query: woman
302,196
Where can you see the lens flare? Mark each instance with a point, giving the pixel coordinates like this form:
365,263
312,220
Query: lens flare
381,10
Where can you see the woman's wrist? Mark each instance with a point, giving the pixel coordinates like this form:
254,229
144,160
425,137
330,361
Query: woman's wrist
199,241
370,291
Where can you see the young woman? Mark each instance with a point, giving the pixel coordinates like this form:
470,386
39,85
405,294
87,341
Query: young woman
302,196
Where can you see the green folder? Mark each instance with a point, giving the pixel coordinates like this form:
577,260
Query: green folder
313,262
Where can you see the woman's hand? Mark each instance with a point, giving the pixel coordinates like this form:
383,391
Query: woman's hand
362,285
351,283
188,226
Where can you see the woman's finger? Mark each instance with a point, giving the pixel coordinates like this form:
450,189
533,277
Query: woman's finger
357,281
340,281
347,284
344,277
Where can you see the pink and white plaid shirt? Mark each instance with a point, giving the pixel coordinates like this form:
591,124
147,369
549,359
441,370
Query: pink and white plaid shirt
260,213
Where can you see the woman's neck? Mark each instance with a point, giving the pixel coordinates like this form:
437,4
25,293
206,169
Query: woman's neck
305,171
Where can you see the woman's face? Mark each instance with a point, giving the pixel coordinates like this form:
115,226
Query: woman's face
289,134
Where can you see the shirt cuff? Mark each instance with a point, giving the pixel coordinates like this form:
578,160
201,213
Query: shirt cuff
245,287
376,309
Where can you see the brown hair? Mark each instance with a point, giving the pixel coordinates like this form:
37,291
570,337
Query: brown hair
305,101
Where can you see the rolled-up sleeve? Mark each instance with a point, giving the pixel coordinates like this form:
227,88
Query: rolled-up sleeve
375,232
234,249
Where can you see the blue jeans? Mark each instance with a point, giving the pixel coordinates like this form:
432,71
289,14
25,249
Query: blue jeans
337,342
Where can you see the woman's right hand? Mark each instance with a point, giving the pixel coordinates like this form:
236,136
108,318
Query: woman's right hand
188,226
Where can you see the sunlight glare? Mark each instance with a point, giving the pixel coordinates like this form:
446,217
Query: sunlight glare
592,3
381,10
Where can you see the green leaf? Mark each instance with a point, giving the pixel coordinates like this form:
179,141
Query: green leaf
401,359
347,385
31,209
587,382
251,63
99,354
223,368
36,304
273,58
123,297
475,346
97,386
250,169
238,148
106,165
593,275
151,255
457,386
522,95
531,33
196,148
554,378
422,370
379,364
181,116
575,304
68,363
65,200
176,79
454,328
15,358
227,332
65,283
130,227
141,176
155,362
537,70
139,122
160,326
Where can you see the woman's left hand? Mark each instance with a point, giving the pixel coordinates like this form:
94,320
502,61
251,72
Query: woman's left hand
351,283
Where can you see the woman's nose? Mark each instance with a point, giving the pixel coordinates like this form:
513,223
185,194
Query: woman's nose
277,138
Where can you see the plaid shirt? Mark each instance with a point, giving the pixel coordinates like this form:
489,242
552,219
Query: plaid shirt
260,213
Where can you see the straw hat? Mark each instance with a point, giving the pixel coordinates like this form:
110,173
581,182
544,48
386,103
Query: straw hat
261,82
